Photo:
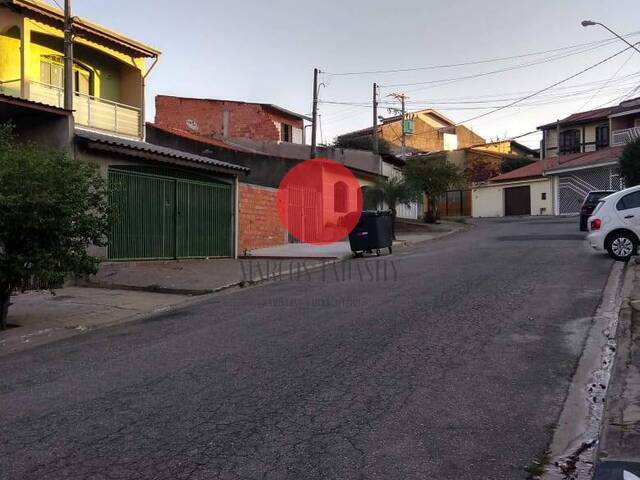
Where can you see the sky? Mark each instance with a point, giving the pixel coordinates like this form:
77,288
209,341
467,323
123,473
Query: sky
265,51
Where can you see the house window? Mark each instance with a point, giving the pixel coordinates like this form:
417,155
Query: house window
602,136
51,74
286,132
341,197
570,141
543,196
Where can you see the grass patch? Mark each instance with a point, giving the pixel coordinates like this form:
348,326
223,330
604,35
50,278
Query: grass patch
538,466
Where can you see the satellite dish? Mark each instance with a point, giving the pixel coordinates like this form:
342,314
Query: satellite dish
629,476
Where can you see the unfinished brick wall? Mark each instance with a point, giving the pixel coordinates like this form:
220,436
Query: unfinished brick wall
245,120
259,225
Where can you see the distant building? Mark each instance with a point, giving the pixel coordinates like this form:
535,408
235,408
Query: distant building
426,131
213,118
587,146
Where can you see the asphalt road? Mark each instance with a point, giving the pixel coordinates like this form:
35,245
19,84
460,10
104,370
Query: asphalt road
456,369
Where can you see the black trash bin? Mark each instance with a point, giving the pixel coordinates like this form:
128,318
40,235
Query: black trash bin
372,232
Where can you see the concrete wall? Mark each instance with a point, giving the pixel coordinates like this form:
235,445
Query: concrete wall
363,160
488,201
269,162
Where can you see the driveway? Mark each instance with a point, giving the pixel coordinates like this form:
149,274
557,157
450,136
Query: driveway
452,364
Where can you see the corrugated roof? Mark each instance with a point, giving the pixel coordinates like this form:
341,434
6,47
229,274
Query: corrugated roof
33,104
581,160
588,116
169,153
82,25
535,169
199,138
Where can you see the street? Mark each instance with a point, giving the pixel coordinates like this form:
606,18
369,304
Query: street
453,365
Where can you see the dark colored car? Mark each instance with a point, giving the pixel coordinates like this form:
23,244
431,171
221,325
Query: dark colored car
589,204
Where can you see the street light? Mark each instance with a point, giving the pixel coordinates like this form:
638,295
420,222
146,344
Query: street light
589,23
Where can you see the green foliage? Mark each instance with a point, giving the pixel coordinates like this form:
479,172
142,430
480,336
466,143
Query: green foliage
510,164
362,143
53,208
393,191
630,164
433,175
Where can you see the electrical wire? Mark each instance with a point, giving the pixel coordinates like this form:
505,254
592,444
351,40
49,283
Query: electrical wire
597,92
478,62
564,80
448,81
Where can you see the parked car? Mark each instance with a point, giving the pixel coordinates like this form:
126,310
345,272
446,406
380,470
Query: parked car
614,225
589,205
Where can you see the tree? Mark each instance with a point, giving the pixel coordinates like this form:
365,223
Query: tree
53,208
432,175
630,164
392,191
510,164
364,142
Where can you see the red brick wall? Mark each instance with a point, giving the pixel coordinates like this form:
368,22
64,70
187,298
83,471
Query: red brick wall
245,120
259,225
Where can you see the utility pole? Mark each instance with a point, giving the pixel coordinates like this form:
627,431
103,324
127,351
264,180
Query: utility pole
376,148
402,97
68,56
314,114
404,134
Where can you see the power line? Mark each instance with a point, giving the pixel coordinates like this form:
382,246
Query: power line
607,83
478,62
492,72
544,89
469,105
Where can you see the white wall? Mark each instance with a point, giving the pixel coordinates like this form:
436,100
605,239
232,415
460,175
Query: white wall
412,211
488,201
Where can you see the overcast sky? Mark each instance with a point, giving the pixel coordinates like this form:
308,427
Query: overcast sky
259,50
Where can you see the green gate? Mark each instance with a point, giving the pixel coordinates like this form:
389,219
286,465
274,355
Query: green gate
168,216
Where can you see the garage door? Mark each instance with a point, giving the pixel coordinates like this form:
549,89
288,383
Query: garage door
517,200
165,216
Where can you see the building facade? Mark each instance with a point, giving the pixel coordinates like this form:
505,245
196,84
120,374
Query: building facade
168,203
425,131
587,146
108,69
230,119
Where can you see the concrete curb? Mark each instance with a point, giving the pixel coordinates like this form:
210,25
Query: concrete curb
256,280
573,447
619,443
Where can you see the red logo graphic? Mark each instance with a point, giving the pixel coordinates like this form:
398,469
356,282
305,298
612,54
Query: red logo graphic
319,201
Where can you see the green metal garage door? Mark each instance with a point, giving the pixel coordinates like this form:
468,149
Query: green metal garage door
168,216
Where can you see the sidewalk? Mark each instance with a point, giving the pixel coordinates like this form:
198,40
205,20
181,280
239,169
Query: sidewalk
619,446
43,317
200,277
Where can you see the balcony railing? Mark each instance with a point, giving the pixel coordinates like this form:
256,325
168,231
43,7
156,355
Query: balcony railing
89,111
627,135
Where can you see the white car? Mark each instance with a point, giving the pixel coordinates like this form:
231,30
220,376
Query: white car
614,225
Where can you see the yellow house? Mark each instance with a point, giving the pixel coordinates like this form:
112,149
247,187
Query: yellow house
430,132
109,69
